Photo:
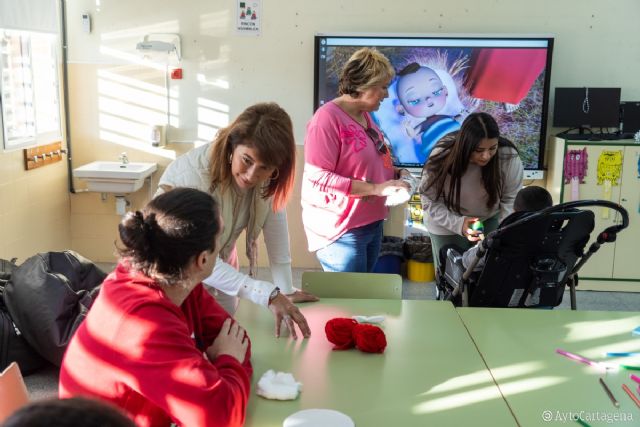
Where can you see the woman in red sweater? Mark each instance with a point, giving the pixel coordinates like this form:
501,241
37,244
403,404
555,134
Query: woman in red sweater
155,343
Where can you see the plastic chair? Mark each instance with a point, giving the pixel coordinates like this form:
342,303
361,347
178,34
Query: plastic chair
352,285
13,391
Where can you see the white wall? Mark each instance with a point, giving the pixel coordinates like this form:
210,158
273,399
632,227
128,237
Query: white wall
113,99
596,44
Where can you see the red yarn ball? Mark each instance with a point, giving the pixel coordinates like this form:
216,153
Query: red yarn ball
340,332
369,338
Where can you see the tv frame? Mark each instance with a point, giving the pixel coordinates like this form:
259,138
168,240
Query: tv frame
460,40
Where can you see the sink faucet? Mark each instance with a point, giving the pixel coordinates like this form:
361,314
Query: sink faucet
123,158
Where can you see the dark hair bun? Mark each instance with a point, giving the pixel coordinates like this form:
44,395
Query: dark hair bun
136,232
162,238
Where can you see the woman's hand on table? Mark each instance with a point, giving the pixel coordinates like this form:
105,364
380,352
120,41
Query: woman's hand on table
285,310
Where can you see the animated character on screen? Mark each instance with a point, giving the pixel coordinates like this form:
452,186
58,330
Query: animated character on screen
423,96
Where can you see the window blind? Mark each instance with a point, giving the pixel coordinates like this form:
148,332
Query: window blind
29,15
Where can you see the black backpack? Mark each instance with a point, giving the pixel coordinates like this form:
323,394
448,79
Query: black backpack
13,346
49,296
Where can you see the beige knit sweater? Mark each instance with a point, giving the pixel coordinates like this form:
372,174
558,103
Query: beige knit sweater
473,197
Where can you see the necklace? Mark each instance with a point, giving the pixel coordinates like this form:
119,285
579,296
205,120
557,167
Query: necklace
238,200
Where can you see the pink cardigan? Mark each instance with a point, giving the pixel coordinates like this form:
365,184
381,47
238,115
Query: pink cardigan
336,150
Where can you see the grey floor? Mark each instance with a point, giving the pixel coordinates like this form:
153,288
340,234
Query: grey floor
43,384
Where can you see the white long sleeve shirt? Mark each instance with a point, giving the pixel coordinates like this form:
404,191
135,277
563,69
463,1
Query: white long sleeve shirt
192,170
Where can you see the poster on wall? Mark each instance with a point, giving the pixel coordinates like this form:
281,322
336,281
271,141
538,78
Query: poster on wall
248,16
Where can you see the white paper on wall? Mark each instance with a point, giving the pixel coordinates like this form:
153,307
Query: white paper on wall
248,16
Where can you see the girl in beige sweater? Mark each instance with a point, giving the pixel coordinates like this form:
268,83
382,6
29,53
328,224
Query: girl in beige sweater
472,174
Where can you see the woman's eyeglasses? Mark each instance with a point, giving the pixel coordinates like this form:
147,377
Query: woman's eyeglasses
377,140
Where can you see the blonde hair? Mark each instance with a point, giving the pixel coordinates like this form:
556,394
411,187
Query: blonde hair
267,128
366,68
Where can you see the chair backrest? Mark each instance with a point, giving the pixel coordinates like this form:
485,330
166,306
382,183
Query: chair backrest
529,263
13,391
352,285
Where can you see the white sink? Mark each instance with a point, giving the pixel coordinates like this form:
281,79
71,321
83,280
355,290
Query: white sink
115,177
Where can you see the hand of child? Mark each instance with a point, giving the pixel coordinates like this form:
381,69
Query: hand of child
231,340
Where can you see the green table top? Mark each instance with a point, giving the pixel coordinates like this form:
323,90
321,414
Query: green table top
430,374
519,347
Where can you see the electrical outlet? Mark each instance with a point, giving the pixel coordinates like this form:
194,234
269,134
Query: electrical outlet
533,174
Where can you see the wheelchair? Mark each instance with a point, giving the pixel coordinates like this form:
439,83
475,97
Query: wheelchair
529,260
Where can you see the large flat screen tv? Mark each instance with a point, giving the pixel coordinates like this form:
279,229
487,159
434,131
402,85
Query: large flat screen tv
440,79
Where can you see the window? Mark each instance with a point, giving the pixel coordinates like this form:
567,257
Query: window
29,89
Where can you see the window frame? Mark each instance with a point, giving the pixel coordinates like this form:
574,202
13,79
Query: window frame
39,137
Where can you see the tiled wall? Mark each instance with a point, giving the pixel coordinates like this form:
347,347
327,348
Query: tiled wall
94,222
34,207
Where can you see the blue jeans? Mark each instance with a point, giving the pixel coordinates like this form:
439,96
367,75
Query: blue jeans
355,251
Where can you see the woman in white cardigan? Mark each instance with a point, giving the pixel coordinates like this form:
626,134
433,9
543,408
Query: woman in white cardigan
249,169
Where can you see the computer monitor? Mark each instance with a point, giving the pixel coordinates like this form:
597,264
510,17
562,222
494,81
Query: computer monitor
630,118
580,107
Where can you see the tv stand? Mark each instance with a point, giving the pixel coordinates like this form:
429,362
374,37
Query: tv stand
582,135
591,136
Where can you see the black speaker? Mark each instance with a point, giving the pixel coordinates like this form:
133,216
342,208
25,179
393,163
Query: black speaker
629,118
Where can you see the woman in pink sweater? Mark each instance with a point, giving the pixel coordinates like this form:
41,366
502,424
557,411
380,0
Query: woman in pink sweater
348,170
155,343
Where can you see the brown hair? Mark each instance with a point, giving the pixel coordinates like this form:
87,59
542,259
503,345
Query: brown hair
453,159
267,128
162,238
366,68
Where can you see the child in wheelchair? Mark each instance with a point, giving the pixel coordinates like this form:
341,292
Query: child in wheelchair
529,260
528,199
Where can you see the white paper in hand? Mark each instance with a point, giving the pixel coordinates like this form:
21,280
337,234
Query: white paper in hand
278,386
403,195
397,198
318,418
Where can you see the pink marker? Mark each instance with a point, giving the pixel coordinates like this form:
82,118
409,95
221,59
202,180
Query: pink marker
579,358
635,378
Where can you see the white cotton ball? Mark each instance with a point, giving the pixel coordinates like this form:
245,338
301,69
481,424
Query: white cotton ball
278,386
